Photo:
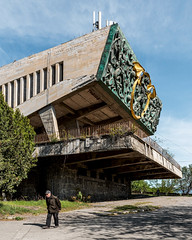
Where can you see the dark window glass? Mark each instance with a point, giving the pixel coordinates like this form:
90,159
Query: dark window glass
60,71
25,89
53,75
45,78
38,82
31,85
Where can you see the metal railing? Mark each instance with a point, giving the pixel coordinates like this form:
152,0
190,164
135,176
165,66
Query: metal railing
162,151
92,131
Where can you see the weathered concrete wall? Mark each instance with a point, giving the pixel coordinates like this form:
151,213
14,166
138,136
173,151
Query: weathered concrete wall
65,183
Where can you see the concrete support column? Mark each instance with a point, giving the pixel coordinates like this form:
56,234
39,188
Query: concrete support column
63,70
57,73
88,173
28,88
49,120
41,80
128,188
9,94
50,77
21,90
49,72
34,84
15,103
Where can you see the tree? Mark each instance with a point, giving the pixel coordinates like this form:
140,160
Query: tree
140,186
163,185
185,184
16,147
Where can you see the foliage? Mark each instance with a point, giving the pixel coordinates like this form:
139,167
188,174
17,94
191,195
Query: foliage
81,198
140,186
11,210
133,209
16,147
185,184
163,186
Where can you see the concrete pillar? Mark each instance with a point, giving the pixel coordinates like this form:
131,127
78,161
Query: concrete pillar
49,72
57,73
128,188
9,94
41,80
88,173
34,84
28,88
49,120
50,77
21,90
15,103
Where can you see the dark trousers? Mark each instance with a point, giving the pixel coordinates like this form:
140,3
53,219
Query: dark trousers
55,216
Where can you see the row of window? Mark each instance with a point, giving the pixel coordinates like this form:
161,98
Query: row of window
39,81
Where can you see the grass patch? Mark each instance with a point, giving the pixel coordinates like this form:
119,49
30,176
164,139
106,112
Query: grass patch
133,209
141,203
11,210
34,207
68,205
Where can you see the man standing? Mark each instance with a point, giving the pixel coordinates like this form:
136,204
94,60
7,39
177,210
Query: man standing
53,207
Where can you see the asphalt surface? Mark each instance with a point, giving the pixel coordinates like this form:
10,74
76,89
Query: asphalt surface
172,221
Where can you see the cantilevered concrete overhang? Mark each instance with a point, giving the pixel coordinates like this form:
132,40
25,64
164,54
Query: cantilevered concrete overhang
96,87
114,156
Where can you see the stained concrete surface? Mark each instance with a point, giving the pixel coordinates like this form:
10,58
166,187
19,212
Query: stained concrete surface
172,221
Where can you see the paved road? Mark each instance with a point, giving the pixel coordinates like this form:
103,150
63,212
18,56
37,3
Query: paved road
172,221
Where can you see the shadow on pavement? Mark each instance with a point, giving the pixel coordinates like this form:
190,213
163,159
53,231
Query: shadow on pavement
164,223
35,224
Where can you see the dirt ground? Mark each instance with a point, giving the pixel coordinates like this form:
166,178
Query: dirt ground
173,220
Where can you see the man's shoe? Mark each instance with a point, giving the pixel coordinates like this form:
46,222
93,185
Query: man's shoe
46,227
56,226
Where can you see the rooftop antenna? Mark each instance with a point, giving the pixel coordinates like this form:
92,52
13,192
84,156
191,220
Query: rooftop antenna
109,23
96,24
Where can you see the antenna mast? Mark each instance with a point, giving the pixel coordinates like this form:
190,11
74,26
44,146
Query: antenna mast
96,24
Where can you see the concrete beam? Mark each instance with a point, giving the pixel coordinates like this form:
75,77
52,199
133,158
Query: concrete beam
108,148
49,120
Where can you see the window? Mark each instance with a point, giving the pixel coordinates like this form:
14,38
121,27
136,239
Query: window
25,88
53,75
6,92
31,85
38,82
12,94
60,71
45,78
19,90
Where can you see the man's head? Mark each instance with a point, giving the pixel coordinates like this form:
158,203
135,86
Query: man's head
48,193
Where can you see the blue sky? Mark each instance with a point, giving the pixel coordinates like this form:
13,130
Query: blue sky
159,32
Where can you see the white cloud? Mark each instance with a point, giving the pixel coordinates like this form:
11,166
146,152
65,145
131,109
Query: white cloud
176,135
150,24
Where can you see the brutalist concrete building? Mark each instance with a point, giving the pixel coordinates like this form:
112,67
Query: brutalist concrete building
93,107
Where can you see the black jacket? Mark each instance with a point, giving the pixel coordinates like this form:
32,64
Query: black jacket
53,204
